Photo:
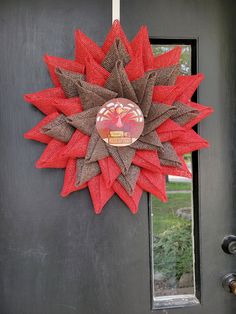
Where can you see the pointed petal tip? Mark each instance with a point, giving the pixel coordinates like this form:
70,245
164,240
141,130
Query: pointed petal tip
201,76
134,210
177,50
143,28
97,210
210,110
39,164
78,32
27,97
46,57
64,193
165,199
116,22
26,135
29,136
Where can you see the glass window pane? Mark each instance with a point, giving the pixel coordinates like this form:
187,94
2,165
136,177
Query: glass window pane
173,258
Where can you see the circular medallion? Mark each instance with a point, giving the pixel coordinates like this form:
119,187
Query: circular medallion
120,122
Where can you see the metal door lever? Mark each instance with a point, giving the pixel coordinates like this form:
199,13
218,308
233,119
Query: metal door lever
229,283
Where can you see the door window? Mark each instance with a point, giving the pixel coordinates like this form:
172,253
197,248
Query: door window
175,279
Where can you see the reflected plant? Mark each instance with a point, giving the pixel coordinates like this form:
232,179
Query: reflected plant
173,251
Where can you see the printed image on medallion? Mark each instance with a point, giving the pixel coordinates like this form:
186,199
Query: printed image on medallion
120,122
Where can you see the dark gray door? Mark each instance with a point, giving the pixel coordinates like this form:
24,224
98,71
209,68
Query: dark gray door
211,24
56,256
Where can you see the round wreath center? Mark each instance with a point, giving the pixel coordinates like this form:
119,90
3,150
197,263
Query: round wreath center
120,122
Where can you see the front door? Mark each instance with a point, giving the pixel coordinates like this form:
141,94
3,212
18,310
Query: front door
56,255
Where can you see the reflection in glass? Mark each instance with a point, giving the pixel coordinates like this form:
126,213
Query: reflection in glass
172,222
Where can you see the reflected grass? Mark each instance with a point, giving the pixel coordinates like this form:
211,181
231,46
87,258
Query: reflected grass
164,214
179,186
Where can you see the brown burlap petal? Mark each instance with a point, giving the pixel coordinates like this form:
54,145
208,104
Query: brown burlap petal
152,139
85,171
143,146
92,95
129,180
183,113
143,88
158,114
68,81
85,120
123,156
59,129
167,76
118,82
96,148
116,52
168,156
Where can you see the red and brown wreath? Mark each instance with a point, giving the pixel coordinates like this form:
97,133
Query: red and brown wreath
119,119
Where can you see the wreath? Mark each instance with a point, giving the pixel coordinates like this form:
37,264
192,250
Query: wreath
119,119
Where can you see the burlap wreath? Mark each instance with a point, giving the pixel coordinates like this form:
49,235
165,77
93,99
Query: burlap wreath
117,69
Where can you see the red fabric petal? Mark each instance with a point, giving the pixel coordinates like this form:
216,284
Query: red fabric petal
182,171
95,73
153,183
77,146
166,94
116,31
204,111
51,157
183,90
45,99
131,201
189,142
142,39
147,159
70,178
168,58
188,85
55,62
86,47
100,194
135,68
35,134
110,170
169,130
68,106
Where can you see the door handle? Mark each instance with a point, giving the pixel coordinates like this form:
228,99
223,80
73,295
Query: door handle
229,244
229,283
